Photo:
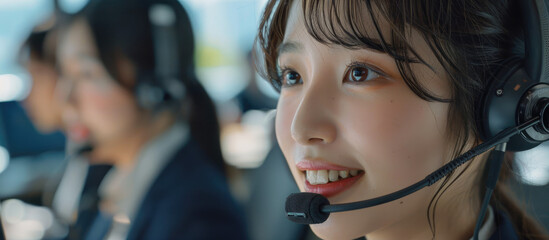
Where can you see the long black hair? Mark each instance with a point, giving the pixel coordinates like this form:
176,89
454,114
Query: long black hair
121,30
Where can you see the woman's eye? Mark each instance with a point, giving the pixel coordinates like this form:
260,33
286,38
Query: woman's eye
360,74
290,78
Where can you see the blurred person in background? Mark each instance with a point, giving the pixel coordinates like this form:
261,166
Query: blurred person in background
38,57
72,196
128,79
252,98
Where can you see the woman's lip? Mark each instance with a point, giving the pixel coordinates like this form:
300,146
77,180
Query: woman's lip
305,165
332,188
78,132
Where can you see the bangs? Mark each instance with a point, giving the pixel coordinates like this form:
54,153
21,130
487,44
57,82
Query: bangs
351,24
344,23
363,25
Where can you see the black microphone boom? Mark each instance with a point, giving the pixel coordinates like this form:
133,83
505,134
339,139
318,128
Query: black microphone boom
312,208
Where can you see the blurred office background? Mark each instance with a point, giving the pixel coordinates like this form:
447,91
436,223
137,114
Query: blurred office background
31,163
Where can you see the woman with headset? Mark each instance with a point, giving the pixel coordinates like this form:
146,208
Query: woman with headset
144,111
71,193
376,95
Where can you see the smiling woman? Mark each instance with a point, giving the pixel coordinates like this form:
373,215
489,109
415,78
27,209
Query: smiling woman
376,95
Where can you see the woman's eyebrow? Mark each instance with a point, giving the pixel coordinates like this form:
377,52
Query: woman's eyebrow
288,47
369,45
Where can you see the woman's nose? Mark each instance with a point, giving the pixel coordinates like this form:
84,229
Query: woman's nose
64,91
314,121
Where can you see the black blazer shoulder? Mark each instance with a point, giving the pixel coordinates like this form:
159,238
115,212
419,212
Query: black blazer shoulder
190,199
504,228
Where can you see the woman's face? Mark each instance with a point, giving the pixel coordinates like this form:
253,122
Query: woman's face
351,129
41,104
98,109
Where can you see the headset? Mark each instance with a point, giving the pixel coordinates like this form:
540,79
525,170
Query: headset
513,116
164,87
520,90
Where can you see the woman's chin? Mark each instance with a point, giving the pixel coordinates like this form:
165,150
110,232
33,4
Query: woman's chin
342,226
354,224
333,231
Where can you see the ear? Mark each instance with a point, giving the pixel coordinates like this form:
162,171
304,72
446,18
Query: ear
126,72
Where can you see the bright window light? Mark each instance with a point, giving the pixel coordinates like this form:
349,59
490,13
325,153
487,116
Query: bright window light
532,165
4,159
72,6
13,87
5,4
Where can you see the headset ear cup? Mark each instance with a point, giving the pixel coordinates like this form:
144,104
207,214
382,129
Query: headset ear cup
175,89
494,89
149,95
155,93
167,90
534,104
500,106
543,109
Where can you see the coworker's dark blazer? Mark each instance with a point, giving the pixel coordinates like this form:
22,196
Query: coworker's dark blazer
504,228
190,199
89,199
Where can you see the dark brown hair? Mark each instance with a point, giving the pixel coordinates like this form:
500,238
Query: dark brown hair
39,46
471,39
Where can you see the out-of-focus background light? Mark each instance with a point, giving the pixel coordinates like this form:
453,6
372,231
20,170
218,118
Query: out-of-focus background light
13,87
4,158
222,65
72,6
533,165
248,143
27,222
225,35
17,18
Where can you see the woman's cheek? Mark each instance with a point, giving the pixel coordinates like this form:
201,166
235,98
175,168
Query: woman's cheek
104,112
393,137
285,113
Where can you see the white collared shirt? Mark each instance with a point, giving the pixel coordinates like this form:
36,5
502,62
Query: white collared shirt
489,226
125,190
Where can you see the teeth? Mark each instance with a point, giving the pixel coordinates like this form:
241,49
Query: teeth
333,175
322,177
353,172
311,177
315,177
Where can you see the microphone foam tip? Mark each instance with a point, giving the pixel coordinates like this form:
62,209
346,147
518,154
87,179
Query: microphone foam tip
305,208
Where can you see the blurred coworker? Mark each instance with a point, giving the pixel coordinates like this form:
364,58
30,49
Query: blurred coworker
77,189
40,104
168,178
252,98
